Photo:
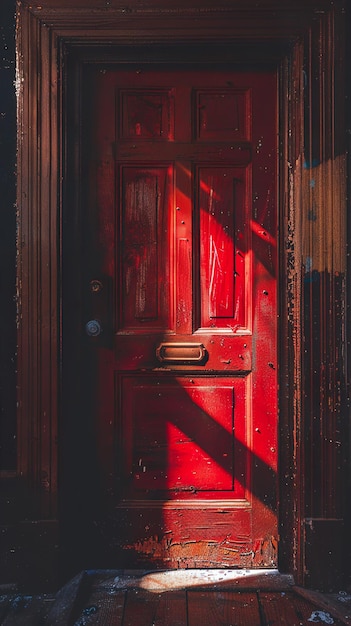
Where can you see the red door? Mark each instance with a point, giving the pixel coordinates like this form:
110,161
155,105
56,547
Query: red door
180,258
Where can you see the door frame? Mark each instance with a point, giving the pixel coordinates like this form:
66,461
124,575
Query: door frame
289,36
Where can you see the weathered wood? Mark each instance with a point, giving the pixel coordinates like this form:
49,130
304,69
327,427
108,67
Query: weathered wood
27,610
37,271
171,610
140,608
290,355
288,609
339,609
102,603
144,608
67,601
67,22
222,608
323,226
102,608
272,20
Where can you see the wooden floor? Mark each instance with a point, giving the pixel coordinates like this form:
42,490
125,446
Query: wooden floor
190,598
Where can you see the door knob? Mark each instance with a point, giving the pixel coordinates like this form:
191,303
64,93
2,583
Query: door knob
93,328
96,286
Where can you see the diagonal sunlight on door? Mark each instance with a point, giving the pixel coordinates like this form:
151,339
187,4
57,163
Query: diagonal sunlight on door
235,436
186,449
200,440
206,451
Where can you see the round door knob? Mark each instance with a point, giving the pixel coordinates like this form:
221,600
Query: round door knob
93,328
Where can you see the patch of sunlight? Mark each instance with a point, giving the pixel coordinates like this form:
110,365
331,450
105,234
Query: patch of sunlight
162,581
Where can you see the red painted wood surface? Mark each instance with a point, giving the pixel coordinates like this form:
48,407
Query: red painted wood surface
181,234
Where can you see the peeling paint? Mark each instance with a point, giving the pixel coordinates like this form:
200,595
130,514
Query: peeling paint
191,552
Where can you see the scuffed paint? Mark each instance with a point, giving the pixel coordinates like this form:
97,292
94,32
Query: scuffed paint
189,552
265,552
186,552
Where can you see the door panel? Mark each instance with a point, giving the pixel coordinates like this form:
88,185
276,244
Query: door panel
143,297
181,237
178,437
222,236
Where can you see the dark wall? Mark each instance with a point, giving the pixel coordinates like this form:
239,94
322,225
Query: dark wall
7,236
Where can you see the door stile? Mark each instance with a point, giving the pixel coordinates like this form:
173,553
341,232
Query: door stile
184,243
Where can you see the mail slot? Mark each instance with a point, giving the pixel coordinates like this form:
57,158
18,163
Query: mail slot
181,353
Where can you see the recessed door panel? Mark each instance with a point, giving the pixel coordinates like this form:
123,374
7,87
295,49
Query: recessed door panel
184,438
146,114
223,114
223,235
143,299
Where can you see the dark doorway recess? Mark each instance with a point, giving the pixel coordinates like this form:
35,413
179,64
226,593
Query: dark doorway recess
303,47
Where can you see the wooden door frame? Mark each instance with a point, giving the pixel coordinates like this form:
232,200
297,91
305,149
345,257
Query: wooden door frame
287,35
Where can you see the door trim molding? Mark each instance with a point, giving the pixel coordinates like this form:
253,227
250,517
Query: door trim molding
45,37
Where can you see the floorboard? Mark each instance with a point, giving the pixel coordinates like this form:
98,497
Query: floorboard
67,599
155,609
129,598
140,608
26,611
171,609
288,609
102,609
223,608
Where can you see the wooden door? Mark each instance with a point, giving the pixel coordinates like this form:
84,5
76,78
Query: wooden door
179,313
